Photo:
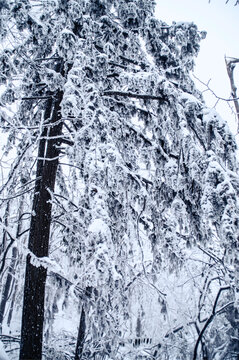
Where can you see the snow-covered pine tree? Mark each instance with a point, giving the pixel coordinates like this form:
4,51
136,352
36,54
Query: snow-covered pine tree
144,215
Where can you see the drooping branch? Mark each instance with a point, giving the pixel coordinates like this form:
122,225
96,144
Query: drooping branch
16,195
212,256
133,95
12,172
37,98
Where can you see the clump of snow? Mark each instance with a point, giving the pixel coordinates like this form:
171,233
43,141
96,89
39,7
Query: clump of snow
3,354
98,226
148,56
185,97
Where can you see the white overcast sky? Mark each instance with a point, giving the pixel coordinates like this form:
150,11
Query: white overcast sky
221,21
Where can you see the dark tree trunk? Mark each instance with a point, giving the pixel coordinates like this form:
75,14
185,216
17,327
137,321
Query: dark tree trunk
3,244
35,277
81,335
89,292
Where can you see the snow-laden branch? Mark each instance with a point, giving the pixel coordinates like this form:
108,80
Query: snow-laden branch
17,195
133,95
12,172
37,98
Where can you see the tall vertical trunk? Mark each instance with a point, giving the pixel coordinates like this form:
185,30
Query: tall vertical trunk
81,335
82,325
10,312
4,239
8,285
35,277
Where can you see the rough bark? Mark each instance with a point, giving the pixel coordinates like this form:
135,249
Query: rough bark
35,277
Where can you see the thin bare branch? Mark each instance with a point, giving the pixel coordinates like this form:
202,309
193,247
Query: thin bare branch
213,92
17,195
12,239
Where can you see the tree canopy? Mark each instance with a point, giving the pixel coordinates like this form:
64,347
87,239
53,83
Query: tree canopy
122,196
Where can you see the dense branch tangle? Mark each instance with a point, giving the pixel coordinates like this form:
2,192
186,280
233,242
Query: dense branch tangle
129,202
211,317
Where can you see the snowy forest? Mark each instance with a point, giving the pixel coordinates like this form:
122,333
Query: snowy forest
119,213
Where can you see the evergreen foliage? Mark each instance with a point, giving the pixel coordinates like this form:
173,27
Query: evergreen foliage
141,258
